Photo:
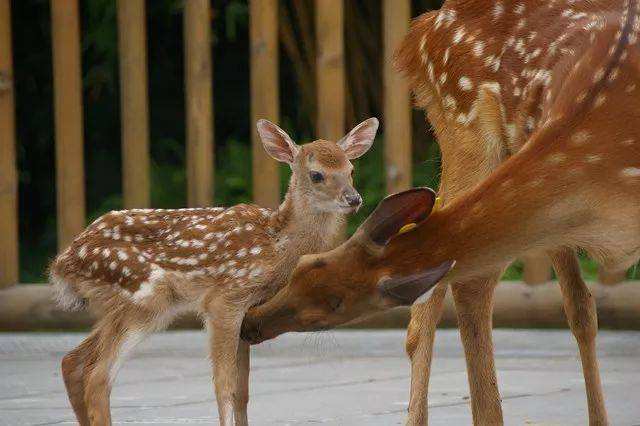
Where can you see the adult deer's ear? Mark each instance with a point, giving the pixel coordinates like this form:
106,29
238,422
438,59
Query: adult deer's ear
395,212
408,290
277,142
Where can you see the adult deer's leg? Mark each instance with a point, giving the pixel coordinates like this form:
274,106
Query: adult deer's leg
474,305
73,374
580,308
224,327
419,344
242,390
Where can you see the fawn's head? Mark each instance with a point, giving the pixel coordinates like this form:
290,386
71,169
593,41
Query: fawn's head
322,173
355,279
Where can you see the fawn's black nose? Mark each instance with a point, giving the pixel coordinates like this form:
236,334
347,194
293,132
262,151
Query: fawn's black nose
353,200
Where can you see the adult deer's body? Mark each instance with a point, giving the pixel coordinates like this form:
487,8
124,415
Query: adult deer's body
535,106
138,269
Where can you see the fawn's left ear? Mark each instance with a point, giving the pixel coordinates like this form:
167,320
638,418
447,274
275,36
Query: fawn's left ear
277,142
359,139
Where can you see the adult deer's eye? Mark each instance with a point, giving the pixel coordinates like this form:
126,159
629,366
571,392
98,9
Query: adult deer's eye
316,177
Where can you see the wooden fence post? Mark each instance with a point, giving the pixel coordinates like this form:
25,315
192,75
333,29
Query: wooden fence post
132,49
197,39
8,172
330,81
397,103
67,82
263,36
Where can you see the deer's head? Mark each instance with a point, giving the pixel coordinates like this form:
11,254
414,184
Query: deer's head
352,280
321,170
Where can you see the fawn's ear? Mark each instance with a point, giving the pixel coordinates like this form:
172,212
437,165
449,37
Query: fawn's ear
396,211
415,288
359,139
277,142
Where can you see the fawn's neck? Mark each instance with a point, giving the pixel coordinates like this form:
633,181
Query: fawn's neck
302,228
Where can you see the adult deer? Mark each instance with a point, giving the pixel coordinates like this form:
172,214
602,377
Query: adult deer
535,106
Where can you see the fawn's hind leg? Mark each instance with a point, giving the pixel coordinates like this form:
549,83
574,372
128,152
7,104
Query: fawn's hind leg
73,374
242,390
223,322
117,335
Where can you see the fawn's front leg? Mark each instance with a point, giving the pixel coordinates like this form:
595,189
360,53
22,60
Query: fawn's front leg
242,390
223,323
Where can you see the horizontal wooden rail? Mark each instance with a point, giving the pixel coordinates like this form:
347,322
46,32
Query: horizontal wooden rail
31,307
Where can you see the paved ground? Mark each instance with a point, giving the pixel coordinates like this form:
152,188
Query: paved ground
336,378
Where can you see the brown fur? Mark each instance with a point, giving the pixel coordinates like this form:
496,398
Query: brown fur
138,269
540,137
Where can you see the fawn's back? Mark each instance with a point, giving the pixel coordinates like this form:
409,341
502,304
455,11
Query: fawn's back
133,252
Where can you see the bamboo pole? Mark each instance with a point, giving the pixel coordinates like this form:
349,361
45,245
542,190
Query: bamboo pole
397,103
197,38
67,82
134,108
8,173
330,69
263,34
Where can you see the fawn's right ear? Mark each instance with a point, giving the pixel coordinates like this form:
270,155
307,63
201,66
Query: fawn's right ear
395,212
277,142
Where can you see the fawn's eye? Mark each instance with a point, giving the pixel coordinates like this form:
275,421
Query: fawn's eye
316,177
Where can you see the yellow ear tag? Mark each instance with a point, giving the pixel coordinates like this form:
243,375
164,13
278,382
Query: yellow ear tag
409,226
437,204
406,228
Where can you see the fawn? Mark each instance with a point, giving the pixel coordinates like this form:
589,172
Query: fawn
535,107
138,269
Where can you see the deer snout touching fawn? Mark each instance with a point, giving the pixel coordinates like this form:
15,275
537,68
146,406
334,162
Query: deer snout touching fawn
138,269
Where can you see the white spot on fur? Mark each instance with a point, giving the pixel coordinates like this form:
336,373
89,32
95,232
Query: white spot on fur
478,48
498,10
580,137
465,83
630,172
458,35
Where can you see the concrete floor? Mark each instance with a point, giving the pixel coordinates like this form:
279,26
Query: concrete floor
335,378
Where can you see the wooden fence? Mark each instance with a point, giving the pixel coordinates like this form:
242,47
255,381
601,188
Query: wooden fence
265,100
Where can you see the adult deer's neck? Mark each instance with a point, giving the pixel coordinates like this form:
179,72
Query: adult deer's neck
523,205
303,228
